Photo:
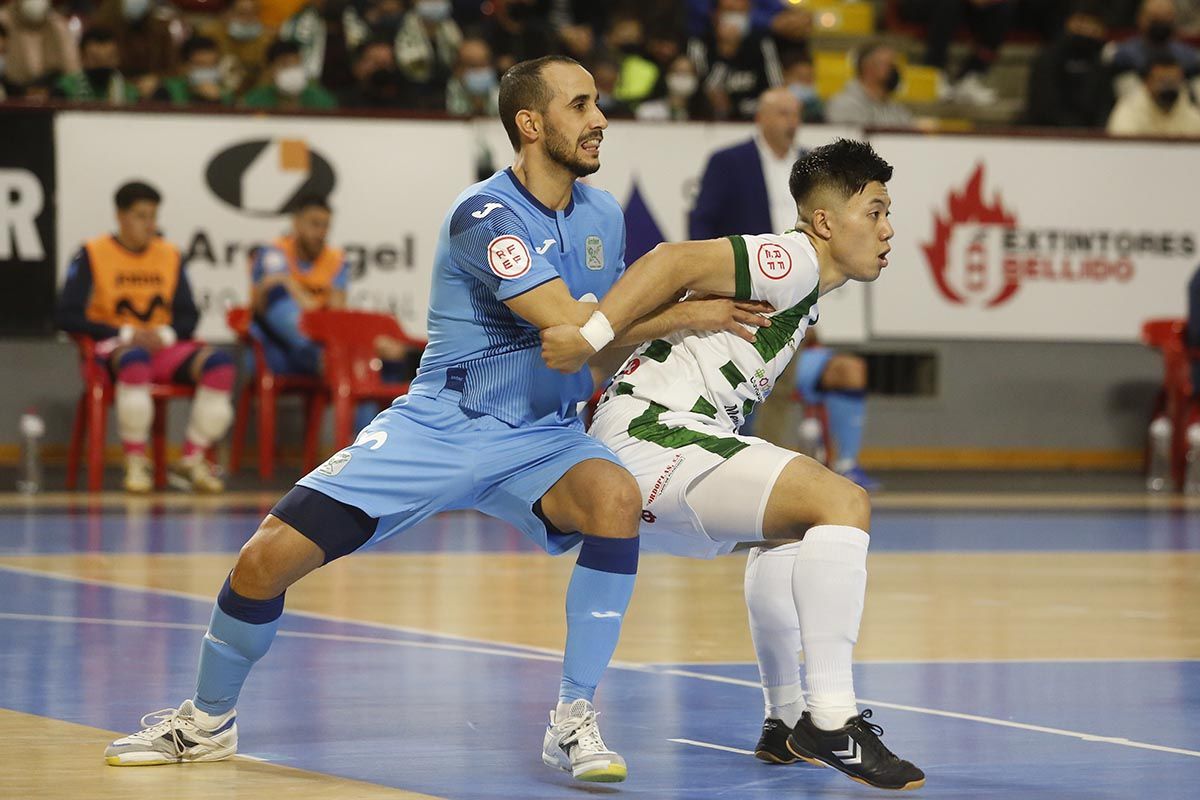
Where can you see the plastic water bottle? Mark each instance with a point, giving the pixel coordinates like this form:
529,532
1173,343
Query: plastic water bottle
1159,477
812,439
1191,482
32,430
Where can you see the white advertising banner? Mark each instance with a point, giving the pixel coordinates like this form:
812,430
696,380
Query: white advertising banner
1035,239
226,180
664,163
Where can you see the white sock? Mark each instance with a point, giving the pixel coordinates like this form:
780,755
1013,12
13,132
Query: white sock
829,583
775,630
212,412
135,412
210,722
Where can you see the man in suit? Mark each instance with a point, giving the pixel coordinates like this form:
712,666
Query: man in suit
745,190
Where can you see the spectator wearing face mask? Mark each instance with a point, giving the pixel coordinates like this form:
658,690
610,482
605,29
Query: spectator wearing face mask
801,80
427,49
143,32
289,87
327,32
1070,85
242,41
683,99
39,44
100,80
474,90
1161,107
1157,31
738,64
378,84
200,81
867,100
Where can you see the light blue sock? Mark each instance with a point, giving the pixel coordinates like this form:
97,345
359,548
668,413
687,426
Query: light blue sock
239,634
597,597
846,410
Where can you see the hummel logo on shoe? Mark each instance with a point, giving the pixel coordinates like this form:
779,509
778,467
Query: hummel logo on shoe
856,750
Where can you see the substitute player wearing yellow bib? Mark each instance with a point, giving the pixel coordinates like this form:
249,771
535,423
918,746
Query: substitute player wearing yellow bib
671,415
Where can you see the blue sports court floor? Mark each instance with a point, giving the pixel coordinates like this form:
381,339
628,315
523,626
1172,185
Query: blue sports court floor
1009,653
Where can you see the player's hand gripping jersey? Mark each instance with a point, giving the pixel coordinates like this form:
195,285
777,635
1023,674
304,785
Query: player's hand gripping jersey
715,377
500,242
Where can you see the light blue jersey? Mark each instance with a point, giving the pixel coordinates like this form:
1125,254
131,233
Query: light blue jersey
486,425
498,242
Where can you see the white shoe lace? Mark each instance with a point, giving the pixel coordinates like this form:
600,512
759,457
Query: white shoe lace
167,723
586,734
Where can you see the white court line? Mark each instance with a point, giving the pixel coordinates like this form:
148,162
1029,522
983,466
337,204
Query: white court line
331,637
37,573
1087,737
557,655
712,746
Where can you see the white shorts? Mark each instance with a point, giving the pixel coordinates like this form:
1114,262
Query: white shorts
704,489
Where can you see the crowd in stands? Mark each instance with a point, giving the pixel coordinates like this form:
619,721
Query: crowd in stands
1121,64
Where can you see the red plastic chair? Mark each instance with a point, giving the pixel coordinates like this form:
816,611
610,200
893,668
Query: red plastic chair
91,416
266,387
352,369
1174,398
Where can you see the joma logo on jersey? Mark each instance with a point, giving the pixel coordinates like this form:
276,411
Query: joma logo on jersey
594,248
508,257
773,261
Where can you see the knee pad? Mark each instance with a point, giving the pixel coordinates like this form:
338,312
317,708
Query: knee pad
218,372
212,412
135,411
133,367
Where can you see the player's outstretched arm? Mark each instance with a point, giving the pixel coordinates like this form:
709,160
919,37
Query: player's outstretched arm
705,267
549,305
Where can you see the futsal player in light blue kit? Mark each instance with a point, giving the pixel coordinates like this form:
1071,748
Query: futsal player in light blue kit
486,425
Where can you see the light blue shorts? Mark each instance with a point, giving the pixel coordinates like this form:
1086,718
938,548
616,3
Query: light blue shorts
423,455
809,370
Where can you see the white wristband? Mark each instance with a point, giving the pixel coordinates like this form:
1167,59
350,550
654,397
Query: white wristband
167,334
597,331
125,334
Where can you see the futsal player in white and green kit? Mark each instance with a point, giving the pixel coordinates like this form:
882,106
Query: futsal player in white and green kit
672,413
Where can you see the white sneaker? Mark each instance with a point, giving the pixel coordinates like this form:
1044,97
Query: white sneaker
972,91
139,475
197,475
573,744
174,739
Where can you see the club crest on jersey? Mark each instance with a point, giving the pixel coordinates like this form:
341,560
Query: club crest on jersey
594,248
508,257
336,463
774,261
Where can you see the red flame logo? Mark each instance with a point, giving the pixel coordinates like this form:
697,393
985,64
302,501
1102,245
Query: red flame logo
967,208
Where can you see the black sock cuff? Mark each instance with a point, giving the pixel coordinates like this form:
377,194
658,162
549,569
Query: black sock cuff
610,555
256,612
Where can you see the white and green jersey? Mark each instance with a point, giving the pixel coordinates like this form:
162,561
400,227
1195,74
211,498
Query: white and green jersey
716,376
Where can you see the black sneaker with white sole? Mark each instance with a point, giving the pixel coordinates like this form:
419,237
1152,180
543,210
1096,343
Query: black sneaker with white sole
772,745
856,750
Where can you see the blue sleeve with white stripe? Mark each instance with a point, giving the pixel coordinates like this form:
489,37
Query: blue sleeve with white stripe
489,240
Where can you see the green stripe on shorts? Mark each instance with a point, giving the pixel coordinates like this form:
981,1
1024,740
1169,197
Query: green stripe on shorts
704,407
647,428
733,374
658,350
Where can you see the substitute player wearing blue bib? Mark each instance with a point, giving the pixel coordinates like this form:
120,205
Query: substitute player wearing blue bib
486,425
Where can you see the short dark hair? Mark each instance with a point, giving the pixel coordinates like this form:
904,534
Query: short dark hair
197,44
522,86
282,47
368,43
867,50
307,201
136,192
96,35
844,167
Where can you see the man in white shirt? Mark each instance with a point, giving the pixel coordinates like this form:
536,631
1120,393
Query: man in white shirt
1160,105
672,413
